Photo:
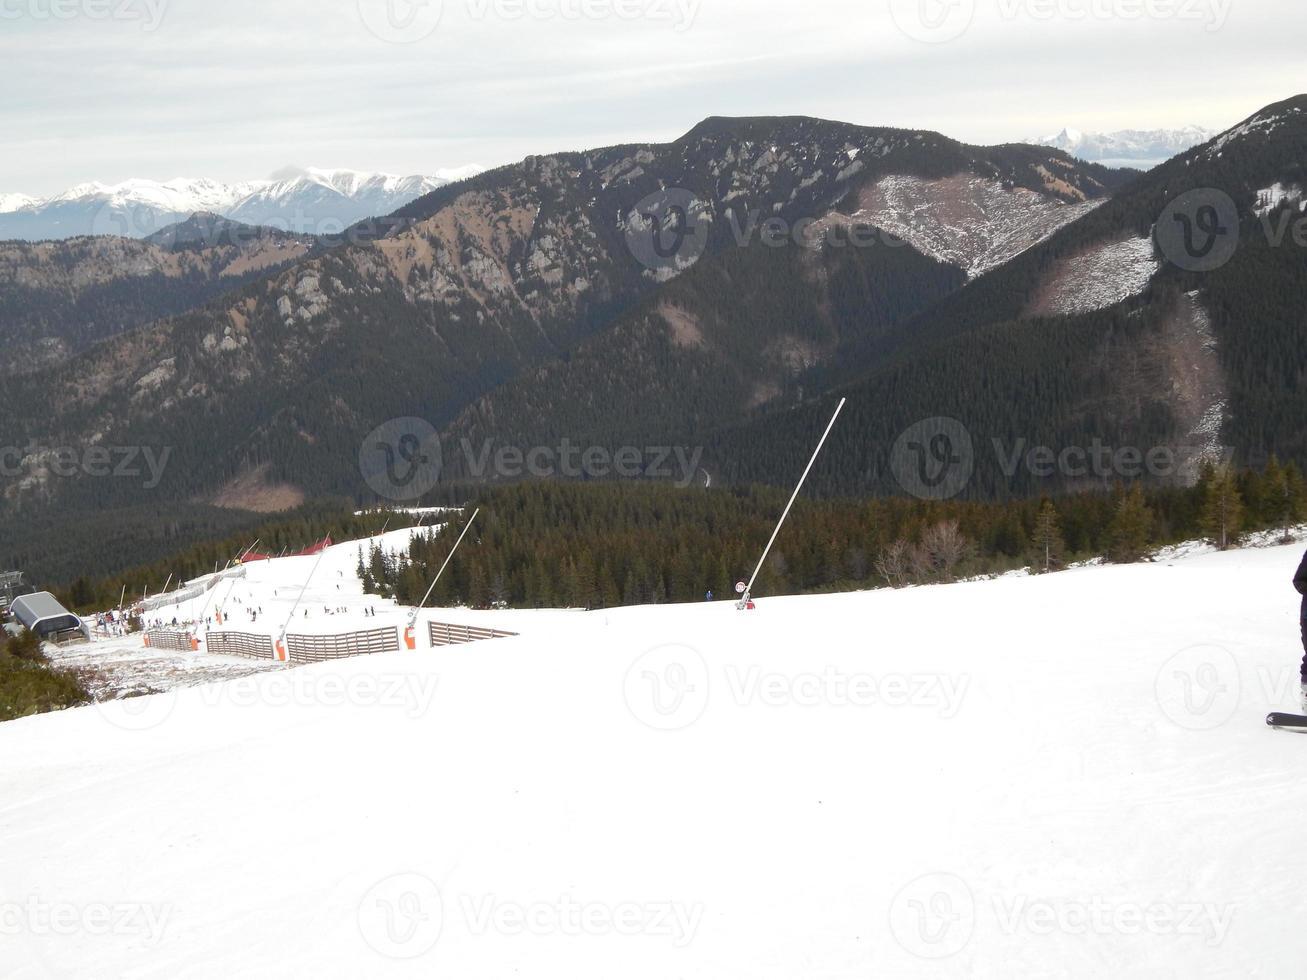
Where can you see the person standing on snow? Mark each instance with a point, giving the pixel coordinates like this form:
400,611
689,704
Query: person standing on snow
1300,583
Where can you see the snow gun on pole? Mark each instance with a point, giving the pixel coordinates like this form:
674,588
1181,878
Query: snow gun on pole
412,620
281,641
746,597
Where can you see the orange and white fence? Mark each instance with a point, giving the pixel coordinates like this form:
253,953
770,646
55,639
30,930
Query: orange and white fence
307,649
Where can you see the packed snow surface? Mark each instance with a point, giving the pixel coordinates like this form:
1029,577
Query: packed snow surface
1062,776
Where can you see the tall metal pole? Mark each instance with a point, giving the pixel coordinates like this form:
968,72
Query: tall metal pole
414,618
748,591
285,629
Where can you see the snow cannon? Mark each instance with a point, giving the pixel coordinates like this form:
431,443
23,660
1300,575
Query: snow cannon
281,651
410,638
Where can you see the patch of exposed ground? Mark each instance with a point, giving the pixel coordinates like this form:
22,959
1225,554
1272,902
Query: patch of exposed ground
972,222
683,327
253,491
1097,278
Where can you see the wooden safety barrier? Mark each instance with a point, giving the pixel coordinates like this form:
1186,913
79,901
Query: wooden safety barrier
240,645
316,649
447,634
169,640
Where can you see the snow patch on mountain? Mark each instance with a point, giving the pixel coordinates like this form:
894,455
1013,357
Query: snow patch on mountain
968,221
1260,126
1272,197
1100,278
453,175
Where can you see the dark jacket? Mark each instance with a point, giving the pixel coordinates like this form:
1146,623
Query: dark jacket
1300,583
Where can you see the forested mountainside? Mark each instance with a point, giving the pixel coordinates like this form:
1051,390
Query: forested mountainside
1105,332
59,298
265,394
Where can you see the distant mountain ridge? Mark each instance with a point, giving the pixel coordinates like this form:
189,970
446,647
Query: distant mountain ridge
300,200
1139,148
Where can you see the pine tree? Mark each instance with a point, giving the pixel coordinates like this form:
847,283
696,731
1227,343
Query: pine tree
1283,507
1223,510
1047,540
1131,530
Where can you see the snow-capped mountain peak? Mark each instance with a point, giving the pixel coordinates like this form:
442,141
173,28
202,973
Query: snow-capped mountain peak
13,202
302,199
1140,148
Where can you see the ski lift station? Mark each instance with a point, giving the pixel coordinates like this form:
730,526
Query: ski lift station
43,615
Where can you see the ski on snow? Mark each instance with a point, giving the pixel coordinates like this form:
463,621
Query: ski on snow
1292,723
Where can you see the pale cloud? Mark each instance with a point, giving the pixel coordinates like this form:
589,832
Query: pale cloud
166,88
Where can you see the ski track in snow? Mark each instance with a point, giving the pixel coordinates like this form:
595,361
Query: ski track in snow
1090,739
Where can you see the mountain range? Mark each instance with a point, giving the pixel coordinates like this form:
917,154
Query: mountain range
303,201
1142,149
1015,289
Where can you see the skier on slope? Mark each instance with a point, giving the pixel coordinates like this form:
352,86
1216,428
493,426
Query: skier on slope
1300,583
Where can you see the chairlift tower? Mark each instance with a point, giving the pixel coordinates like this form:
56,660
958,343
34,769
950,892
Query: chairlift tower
11,586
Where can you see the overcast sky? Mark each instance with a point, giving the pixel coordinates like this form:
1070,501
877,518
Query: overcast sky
236,89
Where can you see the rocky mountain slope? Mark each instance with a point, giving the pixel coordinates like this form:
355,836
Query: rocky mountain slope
1119,329
58,298
482,282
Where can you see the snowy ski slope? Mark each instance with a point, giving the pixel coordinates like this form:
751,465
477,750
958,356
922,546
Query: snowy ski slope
1065,776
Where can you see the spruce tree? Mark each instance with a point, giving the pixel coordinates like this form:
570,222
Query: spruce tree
1047,540
1223,510
1130,532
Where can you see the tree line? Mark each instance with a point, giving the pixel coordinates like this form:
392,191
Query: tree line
603,545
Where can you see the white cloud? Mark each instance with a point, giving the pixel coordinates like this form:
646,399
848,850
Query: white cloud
240,88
